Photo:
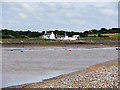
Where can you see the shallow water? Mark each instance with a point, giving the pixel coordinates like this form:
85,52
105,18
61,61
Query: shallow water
36,64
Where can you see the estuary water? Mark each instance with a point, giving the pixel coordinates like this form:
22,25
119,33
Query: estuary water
27,65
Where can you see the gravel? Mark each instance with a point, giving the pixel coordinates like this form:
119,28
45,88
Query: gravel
101,78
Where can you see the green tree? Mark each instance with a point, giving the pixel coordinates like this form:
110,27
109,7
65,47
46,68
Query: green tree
99,35
103,30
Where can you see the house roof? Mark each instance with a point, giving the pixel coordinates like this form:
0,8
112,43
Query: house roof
47,34
60,35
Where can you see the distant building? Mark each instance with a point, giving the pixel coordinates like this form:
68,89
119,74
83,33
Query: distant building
65,37
59,37
76,36
48,36
72,38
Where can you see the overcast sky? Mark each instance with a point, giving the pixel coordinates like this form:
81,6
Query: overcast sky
77,16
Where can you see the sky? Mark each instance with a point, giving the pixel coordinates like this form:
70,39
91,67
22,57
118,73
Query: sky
68,16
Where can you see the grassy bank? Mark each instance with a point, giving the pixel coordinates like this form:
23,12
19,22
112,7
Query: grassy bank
109,36
26,39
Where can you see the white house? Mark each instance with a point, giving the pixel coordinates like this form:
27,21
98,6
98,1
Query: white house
60,37
65,37
48,36
76,36
72,38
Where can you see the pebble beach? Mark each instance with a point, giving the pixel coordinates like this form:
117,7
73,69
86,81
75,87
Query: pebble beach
103,75
102,78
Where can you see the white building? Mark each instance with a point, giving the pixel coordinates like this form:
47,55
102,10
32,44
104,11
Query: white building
72,38
76,36
59,37
48,36
65,37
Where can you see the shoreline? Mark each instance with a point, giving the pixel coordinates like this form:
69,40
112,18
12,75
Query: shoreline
48,82
77,43
54,45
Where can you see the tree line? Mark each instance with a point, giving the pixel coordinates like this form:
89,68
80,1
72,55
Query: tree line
10,34
103,31
19,34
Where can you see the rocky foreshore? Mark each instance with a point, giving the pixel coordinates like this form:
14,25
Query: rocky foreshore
102,78
103,75
58,43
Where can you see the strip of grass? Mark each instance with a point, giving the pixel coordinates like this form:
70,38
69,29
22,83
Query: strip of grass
112,36
28,39
82,38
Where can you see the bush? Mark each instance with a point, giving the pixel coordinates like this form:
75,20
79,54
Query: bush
24,36
99,35
105,36
8,36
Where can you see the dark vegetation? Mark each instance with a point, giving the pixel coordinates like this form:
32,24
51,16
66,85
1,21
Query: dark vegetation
103,31
10,34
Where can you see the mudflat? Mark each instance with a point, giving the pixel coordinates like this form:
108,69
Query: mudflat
77,43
